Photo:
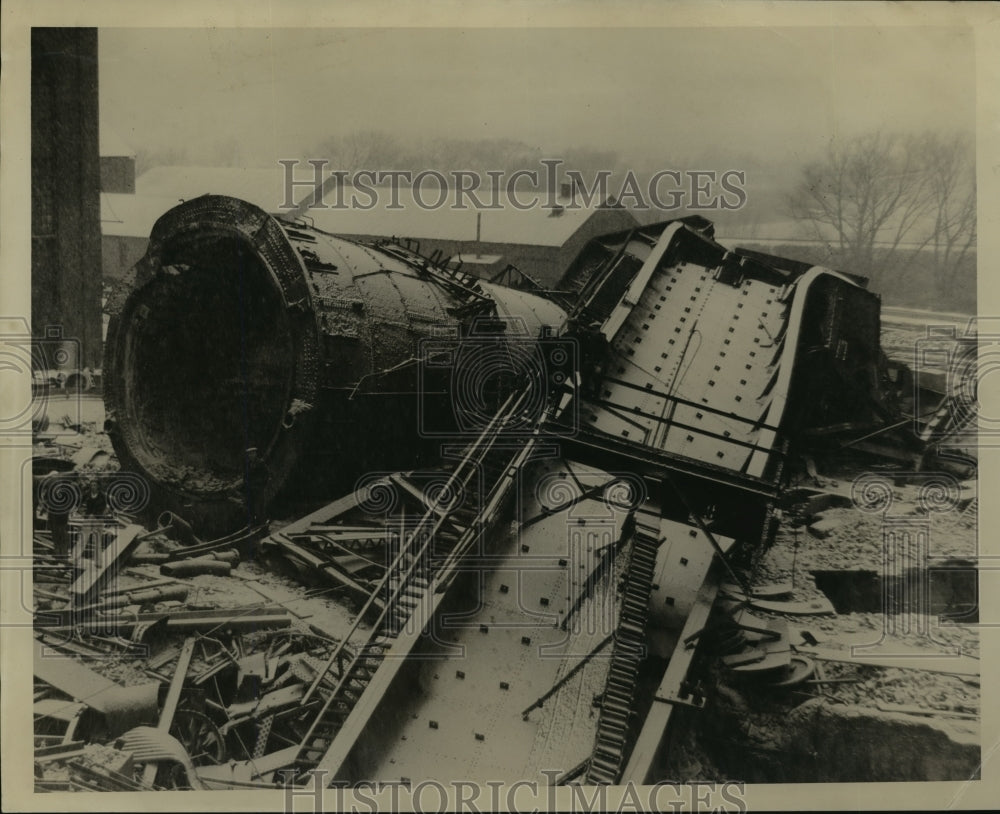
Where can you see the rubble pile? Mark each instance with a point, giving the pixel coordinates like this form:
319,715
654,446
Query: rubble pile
163,661
226,706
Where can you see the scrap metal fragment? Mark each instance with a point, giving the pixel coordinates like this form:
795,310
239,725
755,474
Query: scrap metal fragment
122,707
169,708
232,619
196,567
327,568
100,568
151,745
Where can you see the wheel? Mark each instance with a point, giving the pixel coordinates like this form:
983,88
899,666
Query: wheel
200,737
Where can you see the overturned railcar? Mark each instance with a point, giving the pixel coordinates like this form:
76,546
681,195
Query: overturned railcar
723,366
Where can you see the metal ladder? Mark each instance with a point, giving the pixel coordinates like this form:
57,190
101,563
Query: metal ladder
438,540
629,650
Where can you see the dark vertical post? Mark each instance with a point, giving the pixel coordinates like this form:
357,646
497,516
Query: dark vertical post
65,192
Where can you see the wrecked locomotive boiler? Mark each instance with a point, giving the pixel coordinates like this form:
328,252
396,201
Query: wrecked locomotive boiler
245,354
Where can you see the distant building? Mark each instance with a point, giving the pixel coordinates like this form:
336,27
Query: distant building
127,216
126,221
262,186
117,164
117,180
540,241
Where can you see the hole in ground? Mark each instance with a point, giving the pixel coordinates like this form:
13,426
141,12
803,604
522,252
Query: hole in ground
948,590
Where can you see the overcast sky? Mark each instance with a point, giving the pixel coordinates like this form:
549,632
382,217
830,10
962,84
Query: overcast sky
723,95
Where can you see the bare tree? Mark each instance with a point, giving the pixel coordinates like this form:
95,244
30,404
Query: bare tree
950,166
867,194
362,149
893,208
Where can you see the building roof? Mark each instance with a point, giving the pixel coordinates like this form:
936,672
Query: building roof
161,188
125,215
477,259
261,186
537,226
